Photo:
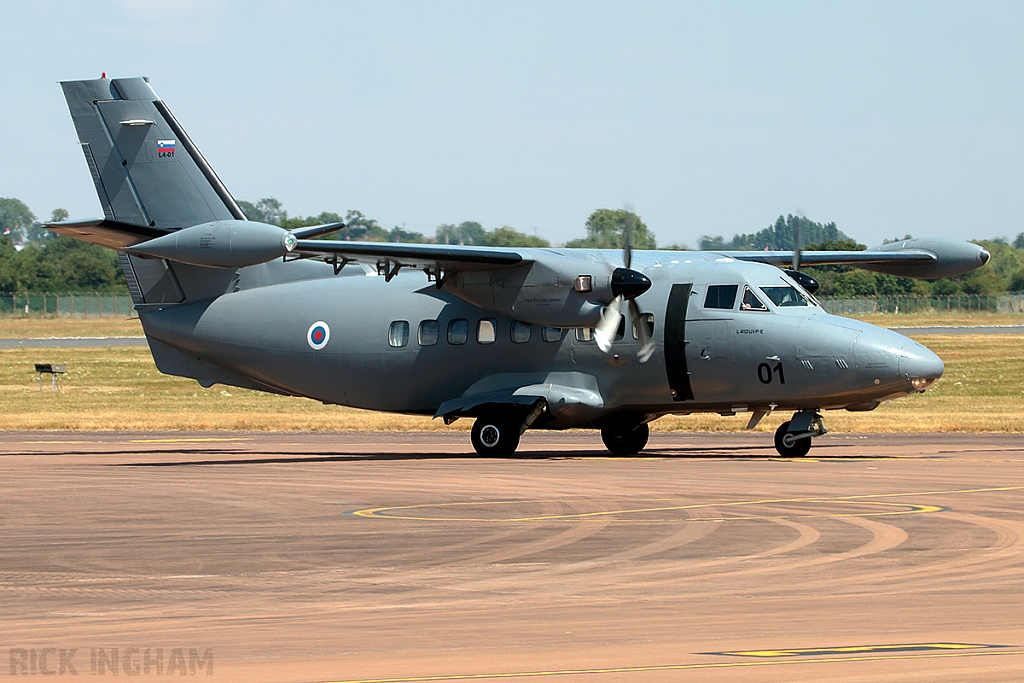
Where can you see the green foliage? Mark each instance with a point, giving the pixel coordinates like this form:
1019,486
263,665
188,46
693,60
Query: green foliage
712,243
266,210
1017,281
509,237
781,236
467,232
15,218
63,264
1019,242
606,229
399,234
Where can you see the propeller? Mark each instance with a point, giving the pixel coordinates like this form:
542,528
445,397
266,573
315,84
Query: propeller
802,279
626,285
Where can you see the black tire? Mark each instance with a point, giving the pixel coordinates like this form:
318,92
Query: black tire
495,437
799,448
619,442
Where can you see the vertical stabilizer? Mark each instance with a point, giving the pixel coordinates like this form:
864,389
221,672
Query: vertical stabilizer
146,169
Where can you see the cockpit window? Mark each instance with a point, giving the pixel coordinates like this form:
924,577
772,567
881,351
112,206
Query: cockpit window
786,296
750,301
720,296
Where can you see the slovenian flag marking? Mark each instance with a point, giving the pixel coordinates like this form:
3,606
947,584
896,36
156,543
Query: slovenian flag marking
165,146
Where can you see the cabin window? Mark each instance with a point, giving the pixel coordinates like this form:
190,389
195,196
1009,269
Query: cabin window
721,296
398,334
521,332
458,331
647,320
584,334
785,296
750,301
486,331
551,334
428,333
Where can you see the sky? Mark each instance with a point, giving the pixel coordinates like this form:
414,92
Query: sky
703,118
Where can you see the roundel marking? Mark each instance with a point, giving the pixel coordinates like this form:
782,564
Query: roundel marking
318,335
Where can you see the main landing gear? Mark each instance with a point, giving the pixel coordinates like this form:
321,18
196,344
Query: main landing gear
496,436
625,441
793,438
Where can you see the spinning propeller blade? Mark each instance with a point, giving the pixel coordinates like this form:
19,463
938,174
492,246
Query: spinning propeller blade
627,284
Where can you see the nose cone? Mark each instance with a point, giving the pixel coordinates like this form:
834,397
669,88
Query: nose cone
920,365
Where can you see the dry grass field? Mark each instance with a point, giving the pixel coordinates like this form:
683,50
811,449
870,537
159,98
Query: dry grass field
33,328
120,388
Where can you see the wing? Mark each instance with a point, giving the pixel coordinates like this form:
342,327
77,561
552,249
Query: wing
926,257
390,256
820,258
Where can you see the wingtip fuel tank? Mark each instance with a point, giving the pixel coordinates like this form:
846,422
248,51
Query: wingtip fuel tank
220,244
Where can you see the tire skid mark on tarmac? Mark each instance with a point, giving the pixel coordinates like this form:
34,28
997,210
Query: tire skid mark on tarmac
998,559
806,536
883,537
608,565
573,534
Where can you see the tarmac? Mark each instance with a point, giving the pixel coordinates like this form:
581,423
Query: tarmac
400,557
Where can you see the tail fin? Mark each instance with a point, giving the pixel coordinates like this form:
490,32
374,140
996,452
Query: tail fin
147,170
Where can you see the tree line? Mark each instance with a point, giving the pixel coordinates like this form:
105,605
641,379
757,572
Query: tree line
33,259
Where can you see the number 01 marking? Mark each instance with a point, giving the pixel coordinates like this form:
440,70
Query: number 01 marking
764,373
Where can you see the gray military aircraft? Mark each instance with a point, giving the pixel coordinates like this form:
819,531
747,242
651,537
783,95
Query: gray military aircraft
515,338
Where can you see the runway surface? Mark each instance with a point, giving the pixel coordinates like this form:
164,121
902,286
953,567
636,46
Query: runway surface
398,557
71,342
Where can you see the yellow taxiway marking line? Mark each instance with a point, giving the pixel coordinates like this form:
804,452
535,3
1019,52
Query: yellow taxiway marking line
681,667
853,649
380,512
187,440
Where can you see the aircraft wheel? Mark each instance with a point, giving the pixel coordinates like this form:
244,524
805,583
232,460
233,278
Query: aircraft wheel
494,437
626,443
795,449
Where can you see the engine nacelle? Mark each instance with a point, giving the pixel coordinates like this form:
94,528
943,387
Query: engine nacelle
551,290
220,244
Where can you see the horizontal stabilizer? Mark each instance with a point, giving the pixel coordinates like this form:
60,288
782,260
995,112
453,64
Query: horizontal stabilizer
105,232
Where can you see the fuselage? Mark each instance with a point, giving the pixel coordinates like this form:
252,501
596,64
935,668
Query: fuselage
407,346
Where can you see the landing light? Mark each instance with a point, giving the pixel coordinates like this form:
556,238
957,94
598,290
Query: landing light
921,382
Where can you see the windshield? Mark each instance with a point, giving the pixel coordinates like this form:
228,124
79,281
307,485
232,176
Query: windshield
785,296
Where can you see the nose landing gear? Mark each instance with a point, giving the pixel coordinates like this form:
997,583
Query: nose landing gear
793,438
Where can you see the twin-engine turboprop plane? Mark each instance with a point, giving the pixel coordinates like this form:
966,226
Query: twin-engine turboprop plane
514,338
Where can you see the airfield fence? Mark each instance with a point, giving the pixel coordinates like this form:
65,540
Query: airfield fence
1011,302
119,304
66,305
